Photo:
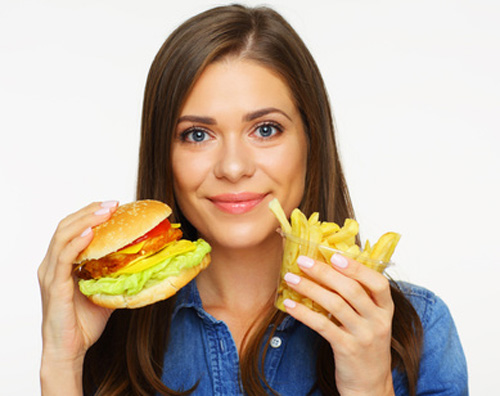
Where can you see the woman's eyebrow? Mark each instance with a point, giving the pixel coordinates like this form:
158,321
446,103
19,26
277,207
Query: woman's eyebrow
262,112
248,117
197,119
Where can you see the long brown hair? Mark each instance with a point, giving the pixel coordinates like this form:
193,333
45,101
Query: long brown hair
128,358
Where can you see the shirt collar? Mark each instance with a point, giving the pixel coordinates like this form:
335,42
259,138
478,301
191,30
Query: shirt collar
189,297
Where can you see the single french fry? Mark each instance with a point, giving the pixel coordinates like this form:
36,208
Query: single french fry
276,208
347,232
328,229
384,248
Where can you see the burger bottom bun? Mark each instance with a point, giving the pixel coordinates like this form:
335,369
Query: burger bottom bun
160,291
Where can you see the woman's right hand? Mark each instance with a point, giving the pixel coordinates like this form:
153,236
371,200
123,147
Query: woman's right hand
71,323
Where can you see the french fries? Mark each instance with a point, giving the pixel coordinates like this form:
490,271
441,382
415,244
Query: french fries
320,240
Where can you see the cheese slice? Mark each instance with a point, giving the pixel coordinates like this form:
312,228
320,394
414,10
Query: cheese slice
141,263
134,249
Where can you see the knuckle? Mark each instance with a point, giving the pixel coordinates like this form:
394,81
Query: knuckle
61,260
303,285
390,309
62,224
321,269
306,287
355,271
334,304
353,290
350,347
71,218
41,273
322,325
92,207
366,339
381,285
383,330
59,235
50,293
44,273
46,288
72,244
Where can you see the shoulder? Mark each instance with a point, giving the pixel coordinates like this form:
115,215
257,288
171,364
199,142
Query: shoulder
428,305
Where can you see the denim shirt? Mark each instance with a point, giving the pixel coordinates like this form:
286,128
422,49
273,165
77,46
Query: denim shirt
202,349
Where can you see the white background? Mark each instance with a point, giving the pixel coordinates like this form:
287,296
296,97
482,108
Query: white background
415,91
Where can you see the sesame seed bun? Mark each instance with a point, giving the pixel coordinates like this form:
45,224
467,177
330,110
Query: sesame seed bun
129,222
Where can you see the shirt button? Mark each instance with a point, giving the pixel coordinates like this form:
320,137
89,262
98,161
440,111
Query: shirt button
275,342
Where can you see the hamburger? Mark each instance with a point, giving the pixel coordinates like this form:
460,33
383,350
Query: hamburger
137,257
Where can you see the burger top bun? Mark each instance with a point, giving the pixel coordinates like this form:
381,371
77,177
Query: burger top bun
129,222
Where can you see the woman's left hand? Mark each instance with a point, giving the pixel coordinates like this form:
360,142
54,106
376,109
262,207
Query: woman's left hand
360,300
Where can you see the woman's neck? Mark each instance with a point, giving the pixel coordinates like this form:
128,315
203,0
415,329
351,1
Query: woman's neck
239,286
241,280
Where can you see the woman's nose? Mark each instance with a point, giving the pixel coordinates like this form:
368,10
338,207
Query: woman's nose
235,160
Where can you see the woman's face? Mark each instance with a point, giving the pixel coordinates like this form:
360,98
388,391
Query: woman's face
239,143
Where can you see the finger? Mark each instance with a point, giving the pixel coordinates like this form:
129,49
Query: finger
96,207
99,208
314,320
351,290
376,283
331,301
56,259
70,252
91,208
72,237
78,236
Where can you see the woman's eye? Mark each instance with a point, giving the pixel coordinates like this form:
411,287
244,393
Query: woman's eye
267,130
195,136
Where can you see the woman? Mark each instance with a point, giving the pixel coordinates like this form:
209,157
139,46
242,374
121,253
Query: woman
235,114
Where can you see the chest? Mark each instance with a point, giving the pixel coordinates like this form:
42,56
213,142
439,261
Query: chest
238,325
202,350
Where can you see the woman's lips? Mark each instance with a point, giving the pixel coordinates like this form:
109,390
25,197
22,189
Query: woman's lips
237,203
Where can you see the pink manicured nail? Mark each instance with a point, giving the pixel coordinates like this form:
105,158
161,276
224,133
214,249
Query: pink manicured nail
339,260
292,278
102,212
109,204
289,303
86,232
305,262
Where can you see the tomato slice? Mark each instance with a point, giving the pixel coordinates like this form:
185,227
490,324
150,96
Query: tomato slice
161,228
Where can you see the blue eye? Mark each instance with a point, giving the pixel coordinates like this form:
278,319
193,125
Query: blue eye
268,130
194,135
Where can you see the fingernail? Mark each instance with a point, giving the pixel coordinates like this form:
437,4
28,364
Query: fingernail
86,232
305,262
109,204
339,260
289,303
102,212
292,278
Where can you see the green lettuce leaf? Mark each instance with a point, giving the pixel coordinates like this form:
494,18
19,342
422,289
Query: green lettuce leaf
131,284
